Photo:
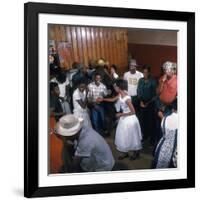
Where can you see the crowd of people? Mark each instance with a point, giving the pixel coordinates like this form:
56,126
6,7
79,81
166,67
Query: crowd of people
89,102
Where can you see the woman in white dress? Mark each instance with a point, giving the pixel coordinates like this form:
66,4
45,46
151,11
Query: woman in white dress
80,103
128,133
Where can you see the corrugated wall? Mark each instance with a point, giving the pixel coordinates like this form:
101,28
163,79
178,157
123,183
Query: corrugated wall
85,43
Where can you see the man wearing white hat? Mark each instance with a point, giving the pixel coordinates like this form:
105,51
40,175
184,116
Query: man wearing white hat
92,153
132,77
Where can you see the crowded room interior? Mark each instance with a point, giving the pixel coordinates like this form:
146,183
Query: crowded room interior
112,99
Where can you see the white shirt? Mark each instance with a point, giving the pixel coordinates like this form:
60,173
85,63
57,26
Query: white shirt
96,91
132,80
77,95
62,87
123,105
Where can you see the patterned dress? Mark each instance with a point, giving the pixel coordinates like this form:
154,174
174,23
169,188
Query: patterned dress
166,150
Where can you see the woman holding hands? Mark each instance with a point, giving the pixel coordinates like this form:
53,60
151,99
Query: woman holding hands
128,133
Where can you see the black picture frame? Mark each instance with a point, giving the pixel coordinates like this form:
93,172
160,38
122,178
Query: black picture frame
31,12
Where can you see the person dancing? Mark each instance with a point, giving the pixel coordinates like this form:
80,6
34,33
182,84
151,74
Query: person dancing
128,133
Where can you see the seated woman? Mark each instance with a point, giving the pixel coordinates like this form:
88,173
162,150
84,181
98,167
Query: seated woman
80,103
128,134
166,150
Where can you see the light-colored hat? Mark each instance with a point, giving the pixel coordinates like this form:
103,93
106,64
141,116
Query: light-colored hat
133,62
101,62
69,125
169,65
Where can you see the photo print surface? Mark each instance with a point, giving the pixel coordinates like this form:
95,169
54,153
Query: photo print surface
112,99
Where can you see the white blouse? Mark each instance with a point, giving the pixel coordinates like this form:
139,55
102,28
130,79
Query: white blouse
122,105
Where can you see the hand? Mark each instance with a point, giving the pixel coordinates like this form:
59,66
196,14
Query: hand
118,115
164,78
99,100
51,130
160,114
142,104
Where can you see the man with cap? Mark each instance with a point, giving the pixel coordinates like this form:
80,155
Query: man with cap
167,89
92,153
132,77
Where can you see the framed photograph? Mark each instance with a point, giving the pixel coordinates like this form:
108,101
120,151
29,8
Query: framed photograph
109,99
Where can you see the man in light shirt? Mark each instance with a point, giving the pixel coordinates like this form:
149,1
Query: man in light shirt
97,90
132,77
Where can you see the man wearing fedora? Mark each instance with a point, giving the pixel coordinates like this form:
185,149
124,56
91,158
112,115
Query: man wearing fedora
92,153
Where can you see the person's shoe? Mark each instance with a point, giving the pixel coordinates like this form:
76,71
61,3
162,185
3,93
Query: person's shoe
122,156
